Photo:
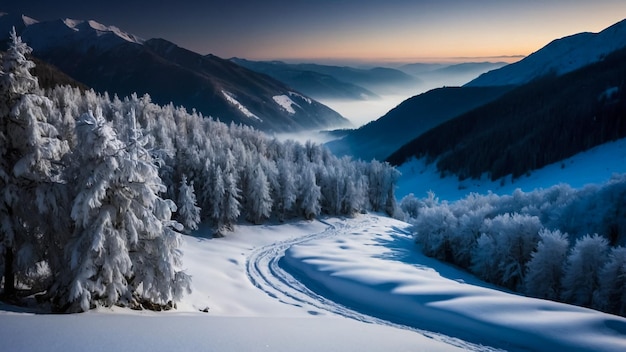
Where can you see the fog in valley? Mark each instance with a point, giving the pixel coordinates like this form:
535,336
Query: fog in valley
360,112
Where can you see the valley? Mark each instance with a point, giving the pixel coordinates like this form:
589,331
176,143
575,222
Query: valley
179,199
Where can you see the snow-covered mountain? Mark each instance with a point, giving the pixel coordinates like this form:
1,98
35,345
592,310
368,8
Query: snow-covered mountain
83,35
559,57
106,58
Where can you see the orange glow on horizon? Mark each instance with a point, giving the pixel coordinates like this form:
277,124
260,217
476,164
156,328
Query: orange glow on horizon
504,32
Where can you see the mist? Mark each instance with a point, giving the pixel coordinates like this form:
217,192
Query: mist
429,76
360,112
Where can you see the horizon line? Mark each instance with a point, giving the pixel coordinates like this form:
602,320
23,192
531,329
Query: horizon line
394,61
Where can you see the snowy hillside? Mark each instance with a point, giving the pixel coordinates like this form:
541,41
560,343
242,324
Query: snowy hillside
560,56
594,166
366,265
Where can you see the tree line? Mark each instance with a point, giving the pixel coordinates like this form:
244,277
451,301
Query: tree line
95,191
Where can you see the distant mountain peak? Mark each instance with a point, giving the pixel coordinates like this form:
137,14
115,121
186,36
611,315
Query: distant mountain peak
101,29
19,21
558,57
29,21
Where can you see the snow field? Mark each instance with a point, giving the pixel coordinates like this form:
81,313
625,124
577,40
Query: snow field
240,316
369,264
376,269
286,103
594,166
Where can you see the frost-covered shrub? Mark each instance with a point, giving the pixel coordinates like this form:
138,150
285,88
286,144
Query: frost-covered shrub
545,268
434,230
581,277
521,241
410,206
611,295
508,241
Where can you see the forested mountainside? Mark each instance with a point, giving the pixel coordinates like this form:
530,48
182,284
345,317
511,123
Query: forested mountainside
49,76
95,190
380,138
536,124
106,58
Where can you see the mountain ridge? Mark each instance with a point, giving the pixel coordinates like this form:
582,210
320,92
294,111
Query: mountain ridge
106,58
560,56
536,124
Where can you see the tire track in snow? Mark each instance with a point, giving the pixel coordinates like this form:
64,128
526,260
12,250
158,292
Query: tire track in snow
264,271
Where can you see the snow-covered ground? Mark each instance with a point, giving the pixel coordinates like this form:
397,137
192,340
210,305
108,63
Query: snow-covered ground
340,284
594,166
369,264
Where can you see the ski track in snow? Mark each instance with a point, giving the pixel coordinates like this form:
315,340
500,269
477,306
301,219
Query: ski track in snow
265,272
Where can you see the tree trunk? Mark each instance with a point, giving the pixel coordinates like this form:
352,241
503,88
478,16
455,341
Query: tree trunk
9,274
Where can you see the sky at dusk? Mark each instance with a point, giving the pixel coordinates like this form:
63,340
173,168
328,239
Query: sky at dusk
344,30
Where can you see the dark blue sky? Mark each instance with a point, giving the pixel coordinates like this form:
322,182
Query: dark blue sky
392,30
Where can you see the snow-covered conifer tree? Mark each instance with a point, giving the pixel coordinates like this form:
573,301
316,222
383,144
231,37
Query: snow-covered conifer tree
154,240
30,150
217,201
259,200
310,194
287,189
125,248
188,211
99,263
227,208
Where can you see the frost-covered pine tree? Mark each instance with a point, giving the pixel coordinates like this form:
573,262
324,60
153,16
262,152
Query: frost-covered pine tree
259,200
287,192
231,207
545,268
30,150
125,247
581,275
188,211
310,194
154,240
217,199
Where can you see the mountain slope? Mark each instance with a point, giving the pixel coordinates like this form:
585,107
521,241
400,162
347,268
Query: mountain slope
416,115
108,59
536,124
559,57
439,75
